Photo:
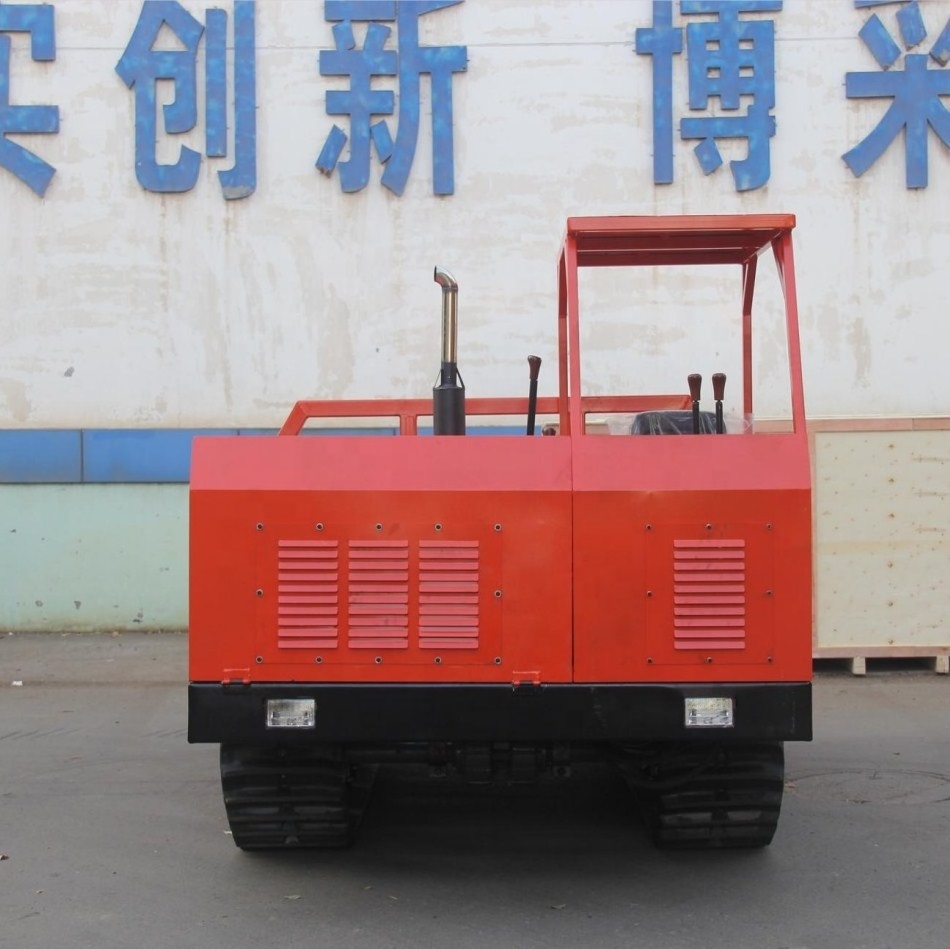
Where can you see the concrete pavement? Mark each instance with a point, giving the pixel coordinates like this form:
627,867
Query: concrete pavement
114,834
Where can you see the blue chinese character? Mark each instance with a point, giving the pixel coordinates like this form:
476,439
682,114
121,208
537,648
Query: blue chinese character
915,89
361,102
729,59
142,66
37,20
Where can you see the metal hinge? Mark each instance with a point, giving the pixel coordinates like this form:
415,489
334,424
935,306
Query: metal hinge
236,680
525,681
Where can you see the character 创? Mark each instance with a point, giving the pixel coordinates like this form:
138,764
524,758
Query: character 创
141,68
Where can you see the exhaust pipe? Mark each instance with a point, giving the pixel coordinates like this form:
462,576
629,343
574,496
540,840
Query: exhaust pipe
448,395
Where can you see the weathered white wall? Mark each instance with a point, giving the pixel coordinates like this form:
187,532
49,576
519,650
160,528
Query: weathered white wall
123,308
127,308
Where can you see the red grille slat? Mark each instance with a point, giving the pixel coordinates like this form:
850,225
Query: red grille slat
706,573
436,643
289,622
378,550
721,611
438,567
319,550
379,609
470,575
436,556
380,642
384,589
704,586
328,589
360,573
365,598
309,598
303,643
720,543
437,588
300,577
290,611
709,644
449,609
373,547
426,599
438,547
431,620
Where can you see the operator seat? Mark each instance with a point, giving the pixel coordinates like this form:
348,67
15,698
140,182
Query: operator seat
672,422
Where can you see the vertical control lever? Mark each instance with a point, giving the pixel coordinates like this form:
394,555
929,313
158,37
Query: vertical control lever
695,381
719,390
534,368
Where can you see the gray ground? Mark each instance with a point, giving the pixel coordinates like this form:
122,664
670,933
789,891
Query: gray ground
113,834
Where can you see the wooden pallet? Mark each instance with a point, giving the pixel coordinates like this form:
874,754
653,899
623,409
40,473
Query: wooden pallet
938,657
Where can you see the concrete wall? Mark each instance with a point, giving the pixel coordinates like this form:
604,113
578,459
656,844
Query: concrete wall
124,309
127,308
94,557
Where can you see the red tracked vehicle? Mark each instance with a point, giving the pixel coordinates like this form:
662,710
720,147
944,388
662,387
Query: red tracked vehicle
507,605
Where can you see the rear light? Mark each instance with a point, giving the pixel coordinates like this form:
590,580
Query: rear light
709,713
291,713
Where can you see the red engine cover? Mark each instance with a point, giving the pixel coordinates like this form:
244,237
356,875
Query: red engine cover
487,559
381,559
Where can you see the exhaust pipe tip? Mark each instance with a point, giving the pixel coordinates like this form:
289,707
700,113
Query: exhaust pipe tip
445,280
450,287
448,397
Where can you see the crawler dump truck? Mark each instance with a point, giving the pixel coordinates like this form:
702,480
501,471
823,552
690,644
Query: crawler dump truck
506,606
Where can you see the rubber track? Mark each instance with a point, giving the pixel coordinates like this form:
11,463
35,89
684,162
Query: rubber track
727,798
280,799
732,802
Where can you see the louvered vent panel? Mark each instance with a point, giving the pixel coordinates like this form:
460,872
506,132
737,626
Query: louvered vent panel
378,582
709,594
308,594
448,594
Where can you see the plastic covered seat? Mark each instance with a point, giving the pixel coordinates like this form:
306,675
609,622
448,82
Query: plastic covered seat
672,422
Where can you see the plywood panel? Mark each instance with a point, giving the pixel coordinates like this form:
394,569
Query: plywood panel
882,506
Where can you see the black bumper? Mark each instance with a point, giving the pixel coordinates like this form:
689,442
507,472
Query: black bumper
479,713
